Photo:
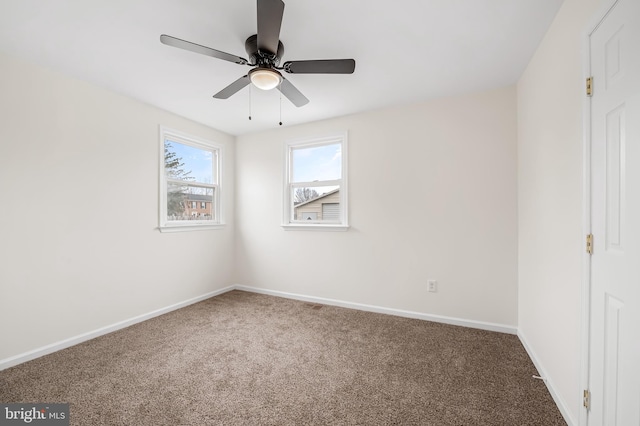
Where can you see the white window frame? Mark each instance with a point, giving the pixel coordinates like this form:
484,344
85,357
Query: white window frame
218,154
288,222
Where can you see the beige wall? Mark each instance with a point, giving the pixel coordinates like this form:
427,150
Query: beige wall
75,256
550,201
448,172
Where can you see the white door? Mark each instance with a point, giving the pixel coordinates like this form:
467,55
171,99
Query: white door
614,346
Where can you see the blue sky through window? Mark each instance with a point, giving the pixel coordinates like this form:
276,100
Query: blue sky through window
198,161
317,163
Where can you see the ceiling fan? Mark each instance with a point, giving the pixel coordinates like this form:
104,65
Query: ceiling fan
265,51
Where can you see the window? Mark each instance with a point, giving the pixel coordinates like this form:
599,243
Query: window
189,176
315,192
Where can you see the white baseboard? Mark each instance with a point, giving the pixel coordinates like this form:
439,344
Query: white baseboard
390,311
36,353
562,406
44,350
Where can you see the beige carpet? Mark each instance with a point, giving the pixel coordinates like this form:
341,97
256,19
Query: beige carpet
249,359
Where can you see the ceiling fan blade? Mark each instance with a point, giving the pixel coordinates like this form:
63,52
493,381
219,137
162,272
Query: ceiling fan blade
269,22
293,94
322,66
233,88
187,45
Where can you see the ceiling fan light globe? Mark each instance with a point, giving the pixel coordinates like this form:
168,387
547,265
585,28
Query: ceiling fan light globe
265,79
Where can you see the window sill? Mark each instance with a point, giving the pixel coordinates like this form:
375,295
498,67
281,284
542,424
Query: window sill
314,227
194,227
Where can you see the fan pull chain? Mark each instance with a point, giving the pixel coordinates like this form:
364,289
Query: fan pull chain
280,102
249,102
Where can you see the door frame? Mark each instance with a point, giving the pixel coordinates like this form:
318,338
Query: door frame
585,328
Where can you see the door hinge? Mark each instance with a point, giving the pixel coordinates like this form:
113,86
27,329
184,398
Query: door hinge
590,243
589,86
586,399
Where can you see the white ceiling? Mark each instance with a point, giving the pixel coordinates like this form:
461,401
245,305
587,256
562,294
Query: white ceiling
405,51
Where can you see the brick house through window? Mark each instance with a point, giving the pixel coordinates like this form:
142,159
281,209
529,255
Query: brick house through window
198,206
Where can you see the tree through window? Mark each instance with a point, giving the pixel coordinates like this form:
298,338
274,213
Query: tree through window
190,182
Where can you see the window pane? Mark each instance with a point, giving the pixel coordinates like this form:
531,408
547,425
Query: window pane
317,163
184,162
317,204
185,202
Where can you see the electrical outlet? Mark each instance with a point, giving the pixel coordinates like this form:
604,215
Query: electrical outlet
432,286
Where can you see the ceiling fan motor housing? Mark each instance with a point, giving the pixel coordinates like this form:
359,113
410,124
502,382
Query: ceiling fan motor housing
262,58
